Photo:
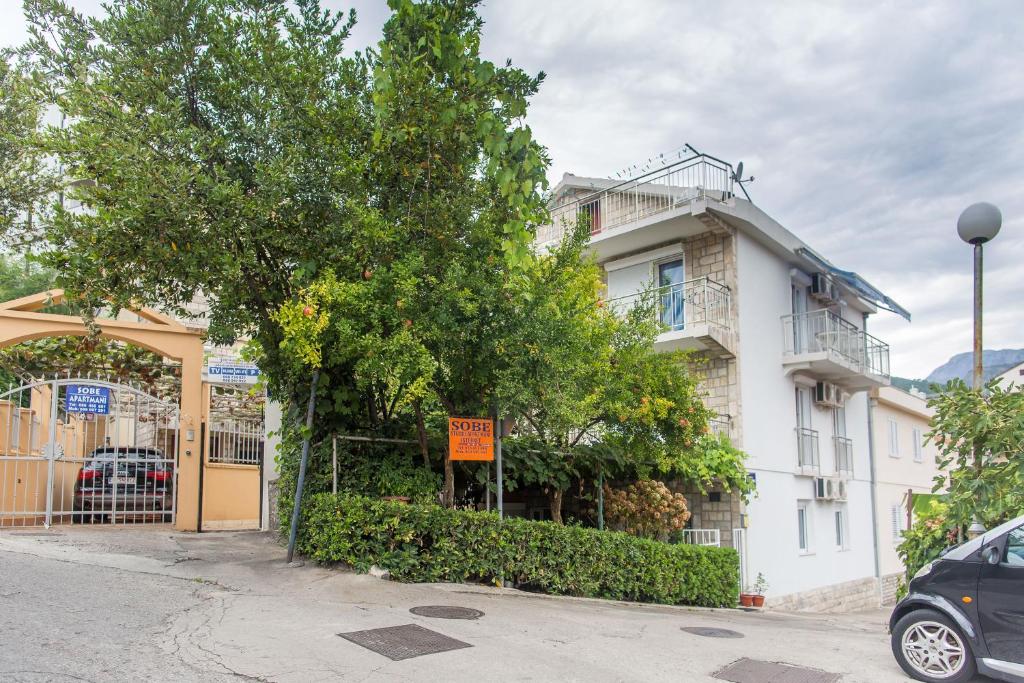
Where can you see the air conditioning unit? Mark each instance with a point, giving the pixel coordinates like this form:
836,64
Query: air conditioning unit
824,289
829,488
828,394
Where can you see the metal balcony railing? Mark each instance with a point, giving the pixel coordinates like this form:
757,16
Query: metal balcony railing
807,448
699,176
695,302
824,331
843,448
721,425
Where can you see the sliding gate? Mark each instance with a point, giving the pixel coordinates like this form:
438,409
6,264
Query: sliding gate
86,451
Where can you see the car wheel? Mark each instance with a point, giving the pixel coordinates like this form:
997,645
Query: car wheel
930,647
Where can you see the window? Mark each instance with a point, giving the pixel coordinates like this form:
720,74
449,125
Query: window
918,453
898,526
840,521
671,285
803,525
1015,548
894,438
591,212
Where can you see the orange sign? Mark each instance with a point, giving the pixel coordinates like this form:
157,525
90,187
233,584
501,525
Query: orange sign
471,438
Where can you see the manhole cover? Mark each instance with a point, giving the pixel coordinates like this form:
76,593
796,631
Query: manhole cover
404,642
712,632
446,612
756,671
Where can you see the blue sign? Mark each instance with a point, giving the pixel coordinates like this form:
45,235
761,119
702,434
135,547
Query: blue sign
83,398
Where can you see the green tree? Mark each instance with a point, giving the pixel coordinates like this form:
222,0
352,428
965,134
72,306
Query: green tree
980,437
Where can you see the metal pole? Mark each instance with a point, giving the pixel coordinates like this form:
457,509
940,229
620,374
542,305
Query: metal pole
52,455
600,500
978,374
497,457
302,466
334,465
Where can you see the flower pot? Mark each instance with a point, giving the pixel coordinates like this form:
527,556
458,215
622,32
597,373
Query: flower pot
758,600
746,600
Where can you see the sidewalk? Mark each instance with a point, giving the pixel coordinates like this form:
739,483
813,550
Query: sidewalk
152,604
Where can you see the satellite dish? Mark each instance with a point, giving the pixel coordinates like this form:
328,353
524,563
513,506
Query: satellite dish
738,175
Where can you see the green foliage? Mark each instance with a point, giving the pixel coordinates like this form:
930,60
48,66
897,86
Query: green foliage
980,437
646,508
430,543
932,532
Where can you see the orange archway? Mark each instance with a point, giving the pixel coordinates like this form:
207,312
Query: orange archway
22,319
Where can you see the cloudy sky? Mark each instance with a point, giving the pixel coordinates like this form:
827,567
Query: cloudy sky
868,130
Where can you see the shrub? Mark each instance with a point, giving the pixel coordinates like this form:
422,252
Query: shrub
932,532
430,544
646,508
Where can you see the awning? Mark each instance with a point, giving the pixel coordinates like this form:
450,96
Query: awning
862,287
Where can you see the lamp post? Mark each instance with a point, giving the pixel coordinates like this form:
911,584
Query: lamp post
978,224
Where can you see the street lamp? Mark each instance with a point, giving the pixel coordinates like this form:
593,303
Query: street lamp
978,223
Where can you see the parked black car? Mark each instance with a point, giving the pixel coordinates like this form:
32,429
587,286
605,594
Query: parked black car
964,613
126,482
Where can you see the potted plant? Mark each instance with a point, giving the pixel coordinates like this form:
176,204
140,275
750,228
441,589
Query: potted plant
746,598
760,586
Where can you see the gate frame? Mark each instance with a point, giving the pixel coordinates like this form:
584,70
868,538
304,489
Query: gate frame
21,320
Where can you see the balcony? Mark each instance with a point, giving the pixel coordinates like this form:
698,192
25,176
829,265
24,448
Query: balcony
827,347
807,451
843,449
665,196
696,315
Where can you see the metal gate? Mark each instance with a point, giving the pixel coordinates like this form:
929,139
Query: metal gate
86,451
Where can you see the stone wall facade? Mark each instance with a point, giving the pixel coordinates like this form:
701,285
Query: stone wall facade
890,585
272,491
851,596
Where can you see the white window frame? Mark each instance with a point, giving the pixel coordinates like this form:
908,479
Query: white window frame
896,520
894,438
805,540
918,450
842,527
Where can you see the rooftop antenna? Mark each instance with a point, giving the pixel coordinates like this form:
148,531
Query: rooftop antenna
738,178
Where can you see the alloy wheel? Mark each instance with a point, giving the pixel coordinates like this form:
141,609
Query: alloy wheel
934,649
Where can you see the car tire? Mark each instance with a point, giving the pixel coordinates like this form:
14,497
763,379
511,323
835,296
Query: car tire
925,643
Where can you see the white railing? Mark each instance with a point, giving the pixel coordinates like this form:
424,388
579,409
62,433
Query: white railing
236,441
627,202
721,425
807,447
702,537
739,542
844,454
695,302
824,331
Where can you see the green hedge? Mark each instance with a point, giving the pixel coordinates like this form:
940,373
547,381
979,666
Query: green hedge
428,543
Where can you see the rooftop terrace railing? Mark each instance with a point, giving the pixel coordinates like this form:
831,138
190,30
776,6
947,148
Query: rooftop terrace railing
658,191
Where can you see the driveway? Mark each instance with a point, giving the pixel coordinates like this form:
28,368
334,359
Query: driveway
113,604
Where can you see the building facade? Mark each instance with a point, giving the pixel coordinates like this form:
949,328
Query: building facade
905,468
779,339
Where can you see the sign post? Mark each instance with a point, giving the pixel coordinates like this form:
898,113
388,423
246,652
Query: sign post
476,438
497,455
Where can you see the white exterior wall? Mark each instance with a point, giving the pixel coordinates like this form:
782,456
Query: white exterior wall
769,423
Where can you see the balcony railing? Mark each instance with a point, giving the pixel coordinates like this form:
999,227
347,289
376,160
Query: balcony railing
721,425
807,448
823,331
844,454
655,192
696,302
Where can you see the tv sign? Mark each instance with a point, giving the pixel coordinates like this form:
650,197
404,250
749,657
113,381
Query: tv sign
83,398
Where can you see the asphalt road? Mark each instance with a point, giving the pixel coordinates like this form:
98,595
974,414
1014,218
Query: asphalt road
102,604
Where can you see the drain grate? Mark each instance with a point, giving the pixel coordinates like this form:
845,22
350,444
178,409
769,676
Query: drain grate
756,671
446,612
404,642
709,632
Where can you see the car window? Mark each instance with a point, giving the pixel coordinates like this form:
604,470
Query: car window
1015,548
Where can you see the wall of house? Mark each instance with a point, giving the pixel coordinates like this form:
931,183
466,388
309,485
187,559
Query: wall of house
769,437
899,472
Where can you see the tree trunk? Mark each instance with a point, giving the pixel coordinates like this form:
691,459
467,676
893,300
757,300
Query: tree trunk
421,431
448,494
555,497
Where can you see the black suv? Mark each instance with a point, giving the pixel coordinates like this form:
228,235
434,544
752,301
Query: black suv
126,482
965,612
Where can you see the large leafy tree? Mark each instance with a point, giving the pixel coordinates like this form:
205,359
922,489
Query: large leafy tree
227,141
27,176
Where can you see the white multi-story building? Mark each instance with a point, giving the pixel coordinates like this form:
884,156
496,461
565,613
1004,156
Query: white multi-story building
780,340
